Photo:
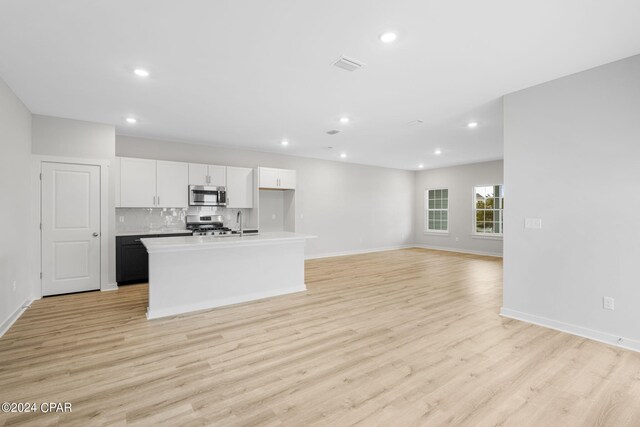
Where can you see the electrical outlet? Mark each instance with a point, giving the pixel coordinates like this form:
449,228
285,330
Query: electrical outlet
15,286
535,223
608,303
457,239
273,216
121,218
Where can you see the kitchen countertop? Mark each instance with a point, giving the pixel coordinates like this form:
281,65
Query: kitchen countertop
149,232
186,243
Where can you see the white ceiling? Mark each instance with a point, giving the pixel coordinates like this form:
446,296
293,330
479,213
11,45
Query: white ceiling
248,73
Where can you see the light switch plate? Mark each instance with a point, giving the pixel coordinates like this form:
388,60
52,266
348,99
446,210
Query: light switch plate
533,223
608,303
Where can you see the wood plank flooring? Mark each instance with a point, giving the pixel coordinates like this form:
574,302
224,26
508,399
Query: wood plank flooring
407,337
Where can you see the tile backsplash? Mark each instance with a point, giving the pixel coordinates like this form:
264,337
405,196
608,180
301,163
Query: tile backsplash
145,219
142,219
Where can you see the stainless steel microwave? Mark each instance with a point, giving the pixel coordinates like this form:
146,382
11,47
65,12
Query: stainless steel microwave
202,195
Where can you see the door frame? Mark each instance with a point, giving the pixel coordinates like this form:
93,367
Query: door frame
36,218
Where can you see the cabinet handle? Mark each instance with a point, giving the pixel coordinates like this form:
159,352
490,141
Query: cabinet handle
154,200
158,200
208,179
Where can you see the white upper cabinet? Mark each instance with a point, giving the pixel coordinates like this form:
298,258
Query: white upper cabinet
279,179
217,176
268,177
287,179
153,184
239,187
212,175
172,184
137,183
198,174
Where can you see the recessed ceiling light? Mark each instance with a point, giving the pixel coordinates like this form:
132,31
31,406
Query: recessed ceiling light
343,155
131,120
285,142
420,165
344,119
388,37
437,151
472,125
141,72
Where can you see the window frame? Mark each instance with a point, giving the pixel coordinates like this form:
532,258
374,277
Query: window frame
425,212
474,232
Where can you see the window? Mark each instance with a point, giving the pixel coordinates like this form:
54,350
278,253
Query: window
488,209
437,210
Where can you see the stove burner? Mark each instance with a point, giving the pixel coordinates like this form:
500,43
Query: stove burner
209,225
211,231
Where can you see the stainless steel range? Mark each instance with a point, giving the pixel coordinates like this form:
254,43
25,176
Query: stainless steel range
207,225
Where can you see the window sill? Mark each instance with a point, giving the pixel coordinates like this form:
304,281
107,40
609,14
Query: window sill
435,233
487,236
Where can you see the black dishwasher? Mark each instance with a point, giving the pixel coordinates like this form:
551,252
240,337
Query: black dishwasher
132,260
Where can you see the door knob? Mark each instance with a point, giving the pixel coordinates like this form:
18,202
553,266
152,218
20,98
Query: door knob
96,234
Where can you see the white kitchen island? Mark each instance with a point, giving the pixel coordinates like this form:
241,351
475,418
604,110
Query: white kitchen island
200,272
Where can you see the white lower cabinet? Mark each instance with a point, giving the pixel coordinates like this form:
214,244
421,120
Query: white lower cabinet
153,184
239,187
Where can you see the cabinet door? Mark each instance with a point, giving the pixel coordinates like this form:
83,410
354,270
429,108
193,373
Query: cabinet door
239,187
268,177
198,174
287,179
173,184
137,183
134,264
217,176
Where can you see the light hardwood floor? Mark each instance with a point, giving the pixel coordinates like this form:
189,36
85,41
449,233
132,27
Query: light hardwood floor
407,337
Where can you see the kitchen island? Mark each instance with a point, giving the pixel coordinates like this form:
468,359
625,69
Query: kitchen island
199,272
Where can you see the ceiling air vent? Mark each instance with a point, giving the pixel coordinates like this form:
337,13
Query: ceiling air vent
333,131
348,64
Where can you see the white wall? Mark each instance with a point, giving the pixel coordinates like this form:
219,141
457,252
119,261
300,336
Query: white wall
349,207
572,158
460,181
15,164
271,210
54,136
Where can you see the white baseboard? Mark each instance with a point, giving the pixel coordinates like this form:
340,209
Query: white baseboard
580,331
458,250
205,305
357,252
109,287
6,324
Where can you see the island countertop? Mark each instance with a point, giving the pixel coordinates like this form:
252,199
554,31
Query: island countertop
189,243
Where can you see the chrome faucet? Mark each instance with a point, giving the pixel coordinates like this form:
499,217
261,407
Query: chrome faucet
239,219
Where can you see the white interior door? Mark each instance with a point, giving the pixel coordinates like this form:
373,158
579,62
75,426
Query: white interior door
70,228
